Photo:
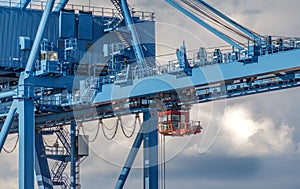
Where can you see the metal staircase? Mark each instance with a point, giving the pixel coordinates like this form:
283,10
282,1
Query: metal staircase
57,171
59,166
88,90
65,181
122,38
117,5
63,136
78,174
117,18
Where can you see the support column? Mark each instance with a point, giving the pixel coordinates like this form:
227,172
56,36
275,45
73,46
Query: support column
131,157
42,172
26,142
7,123
151,151
73,155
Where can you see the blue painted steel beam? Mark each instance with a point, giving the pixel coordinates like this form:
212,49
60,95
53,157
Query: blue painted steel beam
39,35
26,143
26,111
135,39
7,124
131,157
60,5
151,151
73,155
229,20
42,172
208,27
202,76
23,4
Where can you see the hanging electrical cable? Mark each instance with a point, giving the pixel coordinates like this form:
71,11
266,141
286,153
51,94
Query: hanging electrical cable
50,143
97,129
115,129
137,119
13,147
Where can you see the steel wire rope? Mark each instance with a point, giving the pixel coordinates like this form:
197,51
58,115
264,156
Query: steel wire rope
220,25
134,127
215,18
196,13
219,20
246,28
13,147
199,15
104,133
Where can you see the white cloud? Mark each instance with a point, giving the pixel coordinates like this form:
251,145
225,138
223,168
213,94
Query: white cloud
245,133
248,135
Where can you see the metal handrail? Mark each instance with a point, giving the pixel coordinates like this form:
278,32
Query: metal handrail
95,10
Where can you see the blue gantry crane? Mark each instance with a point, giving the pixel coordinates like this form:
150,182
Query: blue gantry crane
92,63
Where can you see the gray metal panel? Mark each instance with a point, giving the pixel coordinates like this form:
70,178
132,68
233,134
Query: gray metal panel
83,145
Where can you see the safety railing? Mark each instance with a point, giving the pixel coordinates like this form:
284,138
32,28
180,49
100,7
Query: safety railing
95,10
55,150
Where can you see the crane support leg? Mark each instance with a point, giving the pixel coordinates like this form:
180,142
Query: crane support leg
73,155
7,124
26,111
151,152
148,133
130,159
26,143
42,172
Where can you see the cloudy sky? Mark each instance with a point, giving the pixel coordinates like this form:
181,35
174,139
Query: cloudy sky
249,142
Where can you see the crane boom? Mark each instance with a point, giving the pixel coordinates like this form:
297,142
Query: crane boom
53,91
204,24
245,30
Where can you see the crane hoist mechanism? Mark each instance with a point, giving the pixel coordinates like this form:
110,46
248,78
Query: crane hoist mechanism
55,73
